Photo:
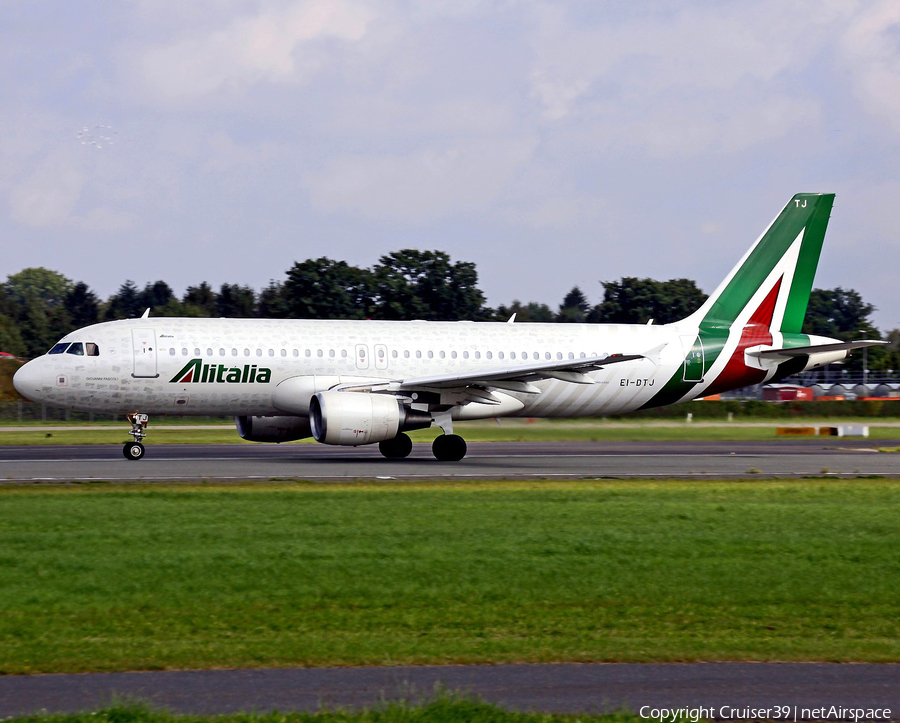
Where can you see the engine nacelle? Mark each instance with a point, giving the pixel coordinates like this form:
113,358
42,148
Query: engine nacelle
354,418
273,429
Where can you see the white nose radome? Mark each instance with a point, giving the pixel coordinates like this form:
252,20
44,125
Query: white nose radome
29,379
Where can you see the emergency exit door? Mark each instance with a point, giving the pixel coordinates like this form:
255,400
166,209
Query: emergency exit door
143,344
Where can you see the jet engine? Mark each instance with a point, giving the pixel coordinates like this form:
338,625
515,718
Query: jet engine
354,418
272,429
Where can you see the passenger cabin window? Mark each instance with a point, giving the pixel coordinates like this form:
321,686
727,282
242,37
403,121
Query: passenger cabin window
284,352
59,348
172,351
77,349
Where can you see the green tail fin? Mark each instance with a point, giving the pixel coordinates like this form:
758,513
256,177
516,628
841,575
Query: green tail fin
787,250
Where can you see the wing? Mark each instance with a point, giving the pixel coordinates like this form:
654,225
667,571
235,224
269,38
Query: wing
476,385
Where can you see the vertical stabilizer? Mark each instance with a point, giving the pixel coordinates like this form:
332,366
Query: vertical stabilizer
786,255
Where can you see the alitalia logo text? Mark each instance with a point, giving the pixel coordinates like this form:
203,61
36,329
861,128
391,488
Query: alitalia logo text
196,372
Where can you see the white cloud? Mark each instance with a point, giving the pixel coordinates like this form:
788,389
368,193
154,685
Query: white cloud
433,183
717,78
107,220
871,48
47,197
561,211
265,47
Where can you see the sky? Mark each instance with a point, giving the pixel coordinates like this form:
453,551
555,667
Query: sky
550,143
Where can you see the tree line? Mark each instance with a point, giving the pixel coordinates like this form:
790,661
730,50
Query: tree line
38,305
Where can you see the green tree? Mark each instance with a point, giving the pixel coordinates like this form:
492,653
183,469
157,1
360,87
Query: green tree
635,301
126,303
82,305
37,297
271,302
532,311
842,314
235,302
10,339
839,313
325,289
574,307
412,284
199,301
156,297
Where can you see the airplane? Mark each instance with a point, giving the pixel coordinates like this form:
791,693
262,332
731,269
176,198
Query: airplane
354,383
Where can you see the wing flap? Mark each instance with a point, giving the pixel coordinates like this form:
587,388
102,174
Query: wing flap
513,378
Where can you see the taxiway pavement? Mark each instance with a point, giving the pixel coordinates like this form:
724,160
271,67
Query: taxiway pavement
486,460
727,688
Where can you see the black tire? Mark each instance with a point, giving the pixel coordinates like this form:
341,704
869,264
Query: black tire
397,448
449,448
133,451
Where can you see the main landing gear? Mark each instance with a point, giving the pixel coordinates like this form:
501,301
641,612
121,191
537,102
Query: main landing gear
135,450
446,448
449,448
396,448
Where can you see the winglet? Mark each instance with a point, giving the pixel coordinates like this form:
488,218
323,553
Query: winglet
511,319
146,314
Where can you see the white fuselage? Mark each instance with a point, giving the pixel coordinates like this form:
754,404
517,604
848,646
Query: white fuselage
139,361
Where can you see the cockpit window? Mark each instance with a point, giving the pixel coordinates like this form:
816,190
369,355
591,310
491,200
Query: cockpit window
76,348
92,348
59,348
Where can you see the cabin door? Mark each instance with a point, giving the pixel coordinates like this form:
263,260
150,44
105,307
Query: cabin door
143,344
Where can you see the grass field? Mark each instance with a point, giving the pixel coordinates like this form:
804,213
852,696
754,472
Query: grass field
97,577
511,430
446,710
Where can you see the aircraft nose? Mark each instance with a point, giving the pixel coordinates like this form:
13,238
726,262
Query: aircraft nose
29,380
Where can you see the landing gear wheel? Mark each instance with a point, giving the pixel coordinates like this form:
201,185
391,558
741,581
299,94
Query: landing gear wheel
449,448
396,448
133,450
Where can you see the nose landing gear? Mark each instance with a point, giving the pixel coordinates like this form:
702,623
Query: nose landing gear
135,450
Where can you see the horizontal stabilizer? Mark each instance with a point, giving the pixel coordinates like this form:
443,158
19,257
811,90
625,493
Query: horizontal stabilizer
815,349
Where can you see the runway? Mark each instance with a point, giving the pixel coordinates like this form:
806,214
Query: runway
486,460
563,688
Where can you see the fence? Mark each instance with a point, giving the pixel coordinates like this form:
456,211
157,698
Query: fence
22,412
